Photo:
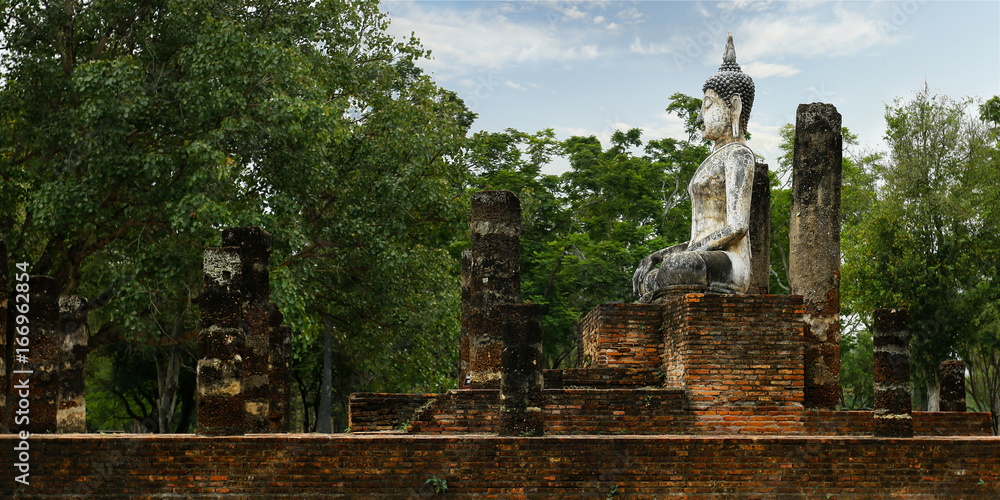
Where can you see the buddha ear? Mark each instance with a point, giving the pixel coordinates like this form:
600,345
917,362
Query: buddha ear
737,106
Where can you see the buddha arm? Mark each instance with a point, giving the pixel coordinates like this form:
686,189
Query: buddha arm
739,187
650,261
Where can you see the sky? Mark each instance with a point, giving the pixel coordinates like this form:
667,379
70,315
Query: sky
593,67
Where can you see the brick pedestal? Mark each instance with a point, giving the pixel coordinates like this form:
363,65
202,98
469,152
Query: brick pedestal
735,350
621,335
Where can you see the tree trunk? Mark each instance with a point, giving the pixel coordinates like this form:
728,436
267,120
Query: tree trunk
323,413
187,402
167,372
933,390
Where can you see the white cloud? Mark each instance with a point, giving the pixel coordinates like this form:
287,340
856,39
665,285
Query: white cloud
574,13
752,5
650,48
631,15
515,86
769,32
845,33
764,70
764,141
469,42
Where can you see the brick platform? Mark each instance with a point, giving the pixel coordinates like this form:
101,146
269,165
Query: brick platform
298,466
733,350
697,364
621,335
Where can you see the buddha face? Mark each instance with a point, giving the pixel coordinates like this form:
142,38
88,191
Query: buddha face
717,117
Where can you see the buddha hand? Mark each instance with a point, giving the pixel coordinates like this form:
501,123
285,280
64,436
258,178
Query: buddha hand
649,262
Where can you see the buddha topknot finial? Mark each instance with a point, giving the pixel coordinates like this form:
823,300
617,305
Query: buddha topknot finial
730,55
730,79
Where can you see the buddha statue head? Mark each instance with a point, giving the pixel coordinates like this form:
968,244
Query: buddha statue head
728,100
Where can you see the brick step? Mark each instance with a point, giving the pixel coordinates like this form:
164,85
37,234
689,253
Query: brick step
602,377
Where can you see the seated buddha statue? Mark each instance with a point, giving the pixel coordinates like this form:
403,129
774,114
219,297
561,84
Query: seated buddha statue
718,254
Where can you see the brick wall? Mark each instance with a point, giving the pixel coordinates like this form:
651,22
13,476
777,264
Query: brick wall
621,335
473,411
616,411
925,423
368,412
602,377
572,467
732,350
639,411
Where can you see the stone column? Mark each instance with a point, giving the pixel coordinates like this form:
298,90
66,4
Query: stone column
72,414
42,359
814,241
953,385
259,315
760,232
279,379
521,384
463,346
893,397
495,278
4,416
220,342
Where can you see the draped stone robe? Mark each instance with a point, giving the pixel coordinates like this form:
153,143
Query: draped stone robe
718,254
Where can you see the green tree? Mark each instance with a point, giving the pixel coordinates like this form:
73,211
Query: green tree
134,131
928,239
584,231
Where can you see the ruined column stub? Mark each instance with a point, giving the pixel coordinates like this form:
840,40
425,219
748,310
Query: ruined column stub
814,241
43,358
463,347
893,397
259,315
73,335
760,232
279,378
496,249
953,385
494,279
4,416
521,360
220,343
255,257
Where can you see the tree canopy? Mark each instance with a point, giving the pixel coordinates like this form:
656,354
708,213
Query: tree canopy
927,240
134,131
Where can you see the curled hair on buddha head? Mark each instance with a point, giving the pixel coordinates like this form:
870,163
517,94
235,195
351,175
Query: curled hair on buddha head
731,80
